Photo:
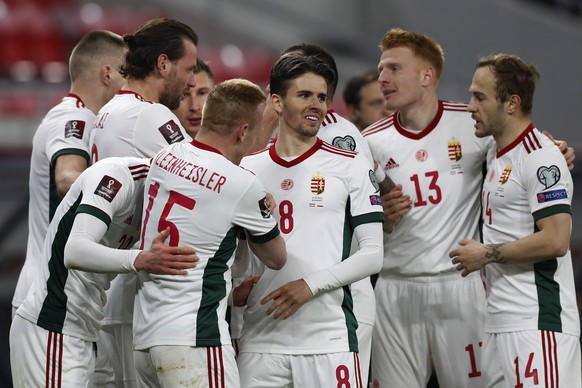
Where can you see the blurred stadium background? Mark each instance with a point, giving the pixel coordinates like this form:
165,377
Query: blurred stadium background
243,38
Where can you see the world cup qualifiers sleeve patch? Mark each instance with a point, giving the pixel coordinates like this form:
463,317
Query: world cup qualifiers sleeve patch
553,195
549,176
347,143
374,181
171,132
74,128
375,199
264,208
108,188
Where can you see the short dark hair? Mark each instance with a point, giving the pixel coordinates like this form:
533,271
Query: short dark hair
150,40
513,76
93,48
352,92
203,66
288,68
309,50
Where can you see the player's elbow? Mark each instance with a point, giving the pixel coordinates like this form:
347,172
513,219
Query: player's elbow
559,248
378,259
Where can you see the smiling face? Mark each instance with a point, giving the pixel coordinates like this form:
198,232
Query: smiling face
485,108
180,77
303,107
190,110
402,77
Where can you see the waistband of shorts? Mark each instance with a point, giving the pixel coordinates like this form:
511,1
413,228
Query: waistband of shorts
430,279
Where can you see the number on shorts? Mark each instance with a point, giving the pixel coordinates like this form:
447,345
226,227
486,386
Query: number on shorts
342,374
529,373
471,350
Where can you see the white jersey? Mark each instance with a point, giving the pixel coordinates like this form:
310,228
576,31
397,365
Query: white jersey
64,130
342,133
128,125
527,181
206,200
71,301
321,197
441,168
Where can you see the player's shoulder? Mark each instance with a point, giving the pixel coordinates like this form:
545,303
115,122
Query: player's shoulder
380,126
452,106
335,150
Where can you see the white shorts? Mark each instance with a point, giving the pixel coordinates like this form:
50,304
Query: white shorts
428,321
115,367
171,366
264,370
364,333
42,358
533,358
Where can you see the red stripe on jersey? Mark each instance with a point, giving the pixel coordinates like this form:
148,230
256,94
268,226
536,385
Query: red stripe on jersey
455,106
518,140
379,125
60,367
54,352
329,118
79,103
556,359
214,364
221,366
357,369
526,145
550,355
339,151
209,365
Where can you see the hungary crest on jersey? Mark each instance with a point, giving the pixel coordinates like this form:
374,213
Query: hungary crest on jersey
505,175
455,151
317,183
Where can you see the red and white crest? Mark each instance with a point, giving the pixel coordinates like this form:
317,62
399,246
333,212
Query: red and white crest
317,183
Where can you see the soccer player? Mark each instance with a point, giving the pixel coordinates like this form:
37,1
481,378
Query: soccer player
532,326
426,314
299,324
60,144
200,192
159,69
53,335
190,110
364,99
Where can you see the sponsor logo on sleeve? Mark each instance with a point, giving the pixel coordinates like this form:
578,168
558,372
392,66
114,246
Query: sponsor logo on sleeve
264,208
553,195
549,176
74,128
375,199
171,132
108,188
347,143
374,181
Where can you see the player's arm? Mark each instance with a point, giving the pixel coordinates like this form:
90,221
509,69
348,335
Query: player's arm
394,205
366,261
83,252
272,253
67,168
552,240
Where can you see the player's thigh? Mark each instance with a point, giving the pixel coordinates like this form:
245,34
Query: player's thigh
400,353
327,370
42,358
116,340
203,366
534,358
263,370
145,371
456,339
364,334
104,376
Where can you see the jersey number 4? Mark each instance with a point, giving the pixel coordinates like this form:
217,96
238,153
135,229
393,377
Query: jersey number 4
174,198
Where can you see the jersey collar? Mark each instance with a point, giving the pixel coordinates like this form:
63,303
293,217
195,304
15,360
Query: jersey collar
277,159
205,147
419,135
514,143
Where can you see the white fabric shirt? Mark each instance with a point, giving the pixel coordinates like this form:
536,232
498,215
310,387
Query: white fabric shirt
128,125
64,130
207,201
527,181
321,197
340,132
441,168
71,301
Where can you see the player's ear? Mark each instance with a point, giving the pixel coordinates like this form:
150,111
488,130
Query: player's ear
105,74
241,132
513,103
162,65
277,102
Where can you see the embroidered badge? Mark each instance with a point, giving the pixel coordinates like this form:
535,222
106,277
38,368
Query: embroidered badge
549,176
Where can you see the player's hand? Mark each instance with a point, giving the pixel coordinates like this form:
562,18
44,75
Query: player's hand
165,260
271,204
288,298
395,205
241,293
470,256
568,152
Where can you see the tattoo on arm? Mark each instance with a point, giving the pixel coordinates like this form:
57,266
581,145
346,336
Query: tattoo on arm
494,255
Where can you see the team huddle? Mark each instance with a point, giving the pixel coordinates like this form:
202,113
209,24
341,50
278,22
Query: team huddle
183,233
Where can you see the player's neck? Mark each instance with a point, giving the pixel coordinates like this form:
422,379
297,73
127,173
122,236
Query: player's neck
91,97
418,115
513,128
291,144
147,88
